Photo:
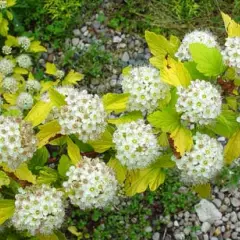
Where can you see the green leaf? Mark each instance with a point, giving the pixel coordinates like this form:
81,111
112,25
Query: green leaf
164,161
232,149
72,78
203,190
47,237
4,179
35,47
11,41
51,68
21,71
126,71
9,15
175,73
47,131
7,208
4,27
47,176
118,168
114,102
163,140
73,151
139,180
64,165
39,159
159,45
192,69
129,117
182,138
226,124
167,120
104,142
209,60
232,102
57,98
38,113
11,3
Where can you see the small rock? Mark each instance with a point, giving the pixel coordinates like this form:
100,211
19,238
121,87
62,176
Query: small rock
75,41
227,201
221,195
156,236
234,235
148,229
176,224
213,238
205,237
235,202
84,29
187,230
233,217
51,57
205,227
238,214
217,202
227,234
223,208
125,57
96,25
117,39
218,223
179,236
77,32
207,212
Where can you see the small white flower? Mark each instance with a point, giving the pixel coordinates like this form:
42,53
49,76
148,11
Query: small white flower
145,87
196,36
3,4
60,74
32,86
231,53
199,103
238,119
6,66
203,162
10,85
24,42
83,115
25,101
24,61
136,144
39,210
17,141
91,184
6,50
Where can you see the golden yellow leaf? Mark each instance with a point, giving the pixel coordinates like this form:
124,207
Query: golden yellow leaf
73,151
232,28
175,73
51,68
72,78
35,46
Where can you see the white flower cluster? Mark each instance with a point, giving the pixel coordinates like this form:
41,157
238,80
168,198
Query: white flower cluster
231,53
6,66
60,74
203,162
24,61
25,101
196,36
3,4
32,86
83,115
10,85
91,184
6,50
39,210
17,141
24,42
199,103
136,144
145,88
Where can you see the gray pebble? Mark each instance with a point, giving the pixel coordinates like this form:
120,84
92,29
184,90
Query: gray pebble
77,32
156,236
205,237
233,217
235,202
179,236
84,29
234,235
217,202
75,41
205,227
125,57
148,229
117,39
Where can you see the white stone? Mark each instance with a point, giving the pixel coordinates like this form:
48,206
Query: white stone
217,202
148,229
117,39
176,224
235,202
233,217
77,32
205,237
207,212
75,41
156,236
205,227
125,57
179,236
